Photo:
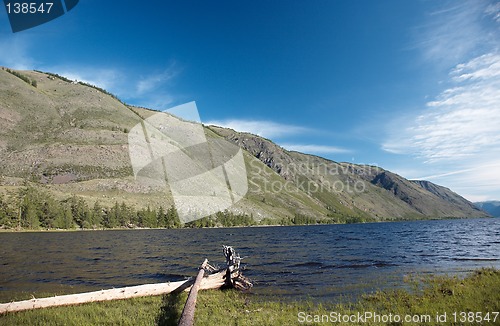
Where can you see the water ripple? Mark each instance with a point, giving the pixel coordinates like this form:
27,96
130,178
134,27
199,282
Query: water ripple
323,261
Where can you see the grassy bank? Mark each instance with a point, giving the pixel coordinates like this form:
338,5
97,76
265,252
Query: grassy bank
478,293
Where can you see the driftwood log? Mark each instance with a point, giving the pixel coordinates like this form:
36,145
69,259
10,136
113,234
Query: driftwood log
232,279
215,280
187,316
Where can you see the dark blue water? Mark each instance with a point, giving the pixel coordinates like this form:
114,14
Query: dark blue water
324,262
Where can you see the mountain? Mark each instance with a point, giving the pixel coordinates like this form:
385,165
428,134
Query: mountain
492,207
72,138
359,190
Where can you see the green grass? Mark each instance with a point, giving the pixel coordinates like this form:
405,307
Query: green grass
478,292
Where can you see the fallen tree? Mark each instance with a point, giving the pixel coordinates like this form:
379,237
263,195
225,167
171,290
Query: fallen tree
230,276
187,317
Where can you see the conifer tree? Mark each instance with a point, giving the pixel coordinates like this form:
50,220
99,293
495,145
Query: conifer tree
97,214
6,214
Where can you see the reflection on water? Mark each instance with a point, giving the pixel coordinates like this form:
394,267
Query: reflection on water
324,261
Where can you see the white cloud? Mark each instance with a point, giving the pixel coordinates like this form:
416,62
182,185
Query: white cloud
146,92
154,81
158,102
483,67
106,78
315,149
458,134
274,130
442,175
263,128
150,91
480,182
456,138
455,30
463,121
14,52
493,10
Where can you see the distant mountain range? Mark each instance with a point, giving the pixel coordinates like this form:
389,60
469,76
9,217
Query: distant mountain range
72,138
492,207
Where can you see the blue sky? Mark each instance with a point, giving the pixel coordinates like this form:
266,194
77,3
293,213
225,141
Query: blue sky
411,86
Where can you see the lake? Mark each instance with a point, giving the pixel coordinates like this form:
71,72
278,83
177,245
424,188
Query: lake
322,262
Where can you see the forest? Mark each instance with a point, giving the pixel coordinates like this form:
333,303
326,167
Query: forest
32,209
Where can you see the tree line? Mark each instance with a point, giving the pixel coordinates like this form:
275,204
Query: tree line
32,208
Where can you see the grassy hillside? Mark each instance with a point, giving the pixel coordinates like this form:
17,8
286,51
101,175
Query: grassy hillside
72,139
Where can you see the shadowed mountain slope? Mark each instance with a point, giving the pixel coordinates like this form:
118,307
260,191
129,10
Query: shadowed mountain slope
492,207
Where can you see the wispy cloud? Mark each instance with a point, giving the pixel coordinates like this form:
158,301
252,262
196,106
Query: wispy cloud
268,129
159,101
14,52
315,149
154,81
106,78
457,135
455,30
151,90
463,121
442,175
279,131
148,91
479,182
493,10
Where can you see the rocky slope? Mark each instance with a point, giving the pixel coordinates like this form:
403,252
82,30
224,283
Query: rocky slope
355,189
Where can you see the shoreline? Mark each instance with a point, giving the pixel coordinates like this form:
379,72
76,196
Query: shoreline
434,299
233,227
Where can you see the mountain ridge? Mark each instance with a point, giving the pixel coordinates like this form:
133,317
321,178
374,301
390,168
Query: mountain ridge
71,138
491,206
278,158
